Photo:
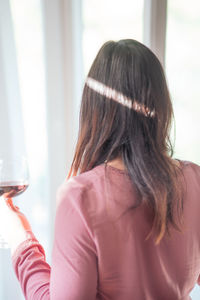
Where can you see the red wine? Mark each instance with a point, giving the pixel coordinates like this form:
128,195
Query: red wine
12,189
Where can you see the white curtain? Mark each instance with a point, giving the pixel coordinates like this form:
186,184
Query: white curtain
40,88
11,129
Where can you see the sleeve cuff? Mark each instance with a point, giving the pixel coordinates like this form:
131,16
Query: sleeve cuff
28,243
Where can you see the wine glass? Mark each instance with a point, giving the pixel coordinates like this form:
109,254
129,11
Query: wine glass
14,179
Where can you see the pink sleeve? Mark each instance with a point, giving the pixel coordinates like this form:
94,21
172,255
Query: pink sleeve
74,261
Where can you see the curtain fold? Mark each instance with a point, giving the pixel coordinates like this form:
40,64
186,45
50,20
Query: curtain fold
11,121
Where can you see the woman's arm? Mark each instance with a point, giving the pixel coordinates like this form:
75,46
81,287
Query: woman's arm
73,274
32,270
74,259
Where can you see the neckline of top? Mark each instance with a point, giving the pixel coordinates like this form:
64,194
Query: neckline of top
125,171
116,169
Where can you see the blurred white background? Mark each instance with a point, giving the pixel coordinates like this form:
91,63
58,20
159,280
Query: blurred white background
46,49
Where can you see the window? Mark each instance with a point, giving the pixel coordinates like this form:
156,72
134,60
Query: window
109,20
183,72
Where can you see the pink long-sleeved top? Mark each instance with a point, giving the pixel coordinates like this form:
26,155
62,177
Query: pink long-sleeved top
100,251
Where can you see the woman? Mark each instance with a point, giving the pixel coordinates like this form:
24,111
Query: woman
127,221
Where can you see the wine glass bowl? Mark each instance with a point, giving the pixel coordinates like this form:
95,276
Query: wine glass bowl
12,189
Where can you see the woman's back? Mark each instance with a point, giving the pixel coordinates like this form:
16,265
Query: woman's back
128,266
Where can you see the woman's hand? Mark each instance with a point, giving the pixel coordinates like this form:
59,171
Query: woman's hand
13,224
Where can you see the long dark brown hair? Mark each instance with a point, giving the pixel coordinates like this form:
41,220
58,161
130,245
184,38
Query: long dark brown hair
109,130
